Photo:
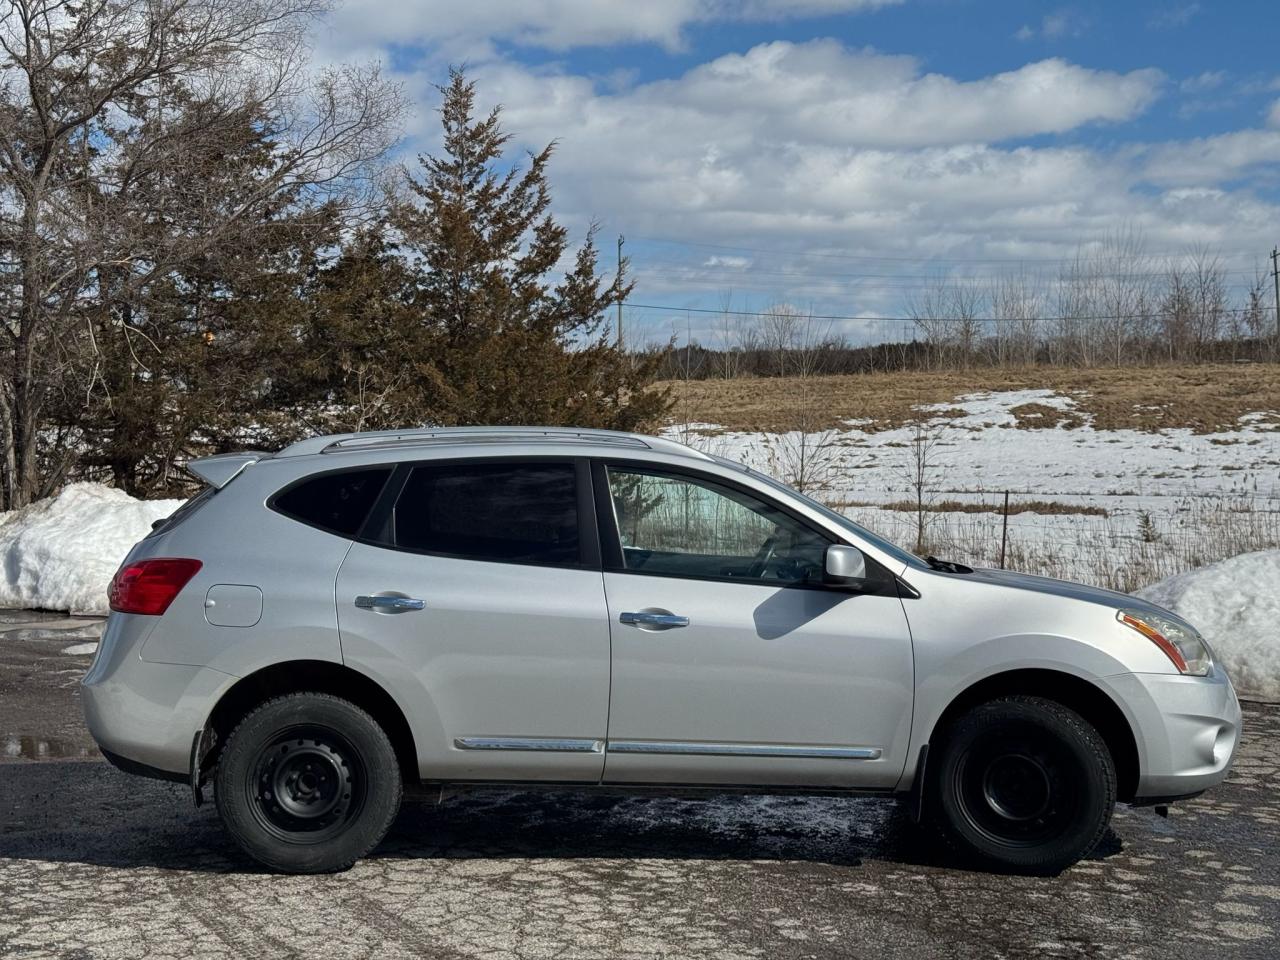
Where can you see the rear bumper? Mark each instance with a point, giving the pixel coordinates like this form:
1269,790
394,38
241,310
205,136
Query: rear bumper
144,715
1187,730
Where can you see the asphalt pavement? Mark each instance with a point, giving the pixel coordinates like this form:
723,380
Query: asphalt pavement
97,864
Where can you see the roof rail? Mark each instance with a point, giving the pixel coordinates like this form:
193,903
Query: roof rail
372,440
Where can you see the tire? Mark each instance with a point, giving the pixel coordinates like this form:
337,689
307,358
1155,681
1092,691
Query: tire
307,783
1022,785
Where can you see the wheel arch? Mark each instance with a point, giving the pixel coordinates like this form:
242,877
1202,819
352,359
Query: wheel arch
319,676
1073,692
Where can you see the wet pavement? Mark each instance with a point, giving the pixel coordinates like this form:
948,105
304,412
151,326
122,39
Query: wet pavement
97,864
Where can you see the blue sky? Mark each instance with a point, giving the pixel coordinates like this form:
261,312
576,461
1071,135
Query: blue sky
838,155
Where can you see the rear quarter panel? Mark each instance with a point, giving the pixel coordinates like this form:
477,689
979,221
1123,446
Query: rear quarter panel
240,541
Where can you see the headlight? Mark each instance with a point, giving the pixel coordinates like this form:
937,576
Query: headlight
1179,641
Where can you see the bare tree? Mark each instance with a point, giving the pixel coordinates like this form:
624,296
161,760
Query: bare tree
921,473
109,113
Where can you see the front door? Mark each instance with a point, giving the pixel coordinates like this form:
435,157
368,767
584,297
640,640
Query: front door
479,605
733,663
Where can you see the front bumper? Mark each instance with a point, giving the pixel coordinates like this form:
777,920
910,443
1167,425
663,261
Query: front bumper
146,713
1186,728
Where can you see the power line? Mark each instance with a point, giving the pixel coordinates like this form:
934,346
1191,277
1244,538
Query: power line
749,271
823,316
921,259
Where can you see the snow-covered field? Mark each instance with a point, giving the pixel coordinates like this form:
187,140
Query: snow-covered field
1163,502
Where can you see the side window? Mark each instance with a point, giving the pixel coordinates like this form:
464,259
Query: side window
682,527
337,502
513,512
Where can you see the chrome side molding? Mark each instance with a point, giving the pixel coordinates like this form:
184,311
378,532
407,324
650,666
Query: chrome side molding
548,744
743,750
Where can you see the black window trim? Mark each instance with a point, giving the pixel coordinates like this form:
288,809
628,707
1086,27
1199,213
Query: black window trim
611,542
379,525
307,478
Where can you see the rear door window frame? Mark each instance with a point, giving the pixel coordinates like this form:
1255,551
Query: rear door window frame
379,526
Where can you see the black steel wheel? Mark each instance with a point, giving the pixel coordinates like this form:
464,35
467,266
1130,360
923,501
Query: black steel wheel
307,783
1022,784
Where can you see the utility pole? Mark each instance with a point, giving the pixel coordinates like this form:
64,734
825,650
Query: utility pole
1275,272
621,241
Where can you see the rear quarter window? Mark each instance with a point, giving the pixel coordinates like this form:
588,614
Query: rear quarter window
337,502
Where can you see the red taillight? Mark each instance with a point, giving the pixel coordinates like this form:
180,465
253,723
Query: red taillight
149,586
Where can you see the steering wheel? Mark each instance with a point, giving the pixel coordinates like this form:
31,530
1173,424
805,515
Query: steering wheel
766,552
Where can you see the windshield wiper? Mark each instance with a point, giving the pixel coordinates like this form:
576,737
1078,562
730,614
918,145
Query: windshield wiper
947,566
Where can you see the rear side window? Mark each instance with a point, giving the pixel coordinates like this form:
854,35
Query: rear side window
182,513
336,502
513,512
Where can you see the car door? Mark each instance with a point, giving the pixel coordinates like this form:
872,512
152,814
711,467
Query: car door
475,597
733,662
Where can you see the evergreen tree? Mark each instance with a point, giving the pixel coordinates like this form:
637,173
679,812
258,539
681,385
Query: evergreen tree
506,343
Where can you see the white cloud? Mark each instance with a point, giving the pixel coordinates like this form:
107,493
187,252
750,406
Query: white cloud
821,93
1273,115
1203,82
1057,25
1174,15
1213,160
470,28
814,144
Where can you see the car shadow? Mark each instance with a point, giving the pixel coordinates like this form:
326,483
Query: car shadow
87,812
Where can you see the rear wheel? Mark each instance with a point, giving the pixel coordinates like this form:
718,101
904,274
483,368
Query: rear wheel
1022,784
308,783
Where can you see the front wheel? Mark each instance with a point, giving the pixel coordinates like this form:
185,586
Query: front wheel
1022,784
308,783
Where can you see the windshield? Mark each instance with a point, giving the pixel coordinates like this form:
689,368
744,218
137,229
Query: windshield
879,542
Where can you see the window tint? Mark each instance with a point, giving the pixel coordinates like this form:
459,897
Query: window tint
525,513
337,502
682,527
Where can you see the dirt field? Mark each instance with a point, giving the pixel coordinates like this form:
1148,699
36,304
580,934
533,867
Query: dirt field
1206,399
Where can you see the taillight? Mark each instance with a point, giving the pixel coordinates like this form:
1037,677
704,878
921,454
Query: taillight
149,586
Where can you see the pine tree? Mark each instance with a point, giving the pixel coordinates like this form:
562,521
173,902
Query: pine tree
508,343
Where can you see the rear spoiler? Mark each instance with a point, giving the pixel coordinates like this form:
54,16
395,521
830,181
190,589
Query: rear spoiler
219,470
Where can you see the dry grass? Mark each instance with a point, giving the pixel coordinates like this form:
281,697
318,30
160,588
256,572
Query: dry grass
1205,398
1101,551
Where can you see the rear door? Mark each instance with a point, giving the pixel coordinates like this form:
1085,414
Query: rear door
475,595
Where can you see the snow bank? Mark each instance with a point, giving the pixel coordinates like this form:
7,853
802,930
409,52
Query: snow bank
1236,605
60,554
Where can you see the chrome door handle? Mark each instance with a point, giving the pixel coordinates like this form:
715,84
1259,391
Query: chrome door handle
389,604
657,621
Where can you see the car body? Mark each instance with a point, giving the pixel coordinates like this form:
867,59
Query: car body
556,606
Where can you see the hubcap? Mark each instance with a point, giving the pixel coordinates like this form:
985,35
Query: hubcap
308,784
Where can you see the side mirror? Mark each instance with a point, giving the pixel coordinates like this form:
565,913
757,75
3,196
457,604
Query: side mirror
844,564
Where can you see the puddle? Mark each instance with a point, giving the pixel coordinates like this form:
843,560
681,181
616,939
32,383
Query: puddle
63,630
10,615
44,748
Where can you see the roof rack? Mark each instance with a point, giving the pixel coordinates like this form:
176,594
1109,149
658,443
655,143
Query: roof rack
373,440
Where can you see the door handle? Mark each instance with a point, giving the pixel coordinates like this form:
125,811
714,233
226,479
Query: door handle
381,604
654,621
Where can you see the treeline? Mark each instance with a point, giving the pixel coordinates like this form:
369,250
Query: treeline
1110,307
203,246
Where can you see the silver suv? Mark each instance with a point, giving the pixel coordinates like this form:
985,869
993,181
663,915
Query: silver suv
356,615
